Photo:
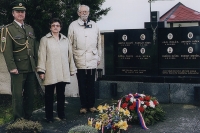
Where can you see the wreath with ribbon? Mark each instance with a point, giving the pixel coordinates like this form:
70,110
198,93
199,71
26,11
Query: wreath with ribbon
144,109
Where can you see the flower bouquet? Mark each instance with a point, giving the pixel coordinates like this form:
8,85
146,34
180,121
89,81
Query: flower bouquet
143,108
110,119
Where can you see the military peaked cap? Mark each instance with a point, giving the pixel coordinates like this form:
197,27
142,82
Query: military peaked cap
18,5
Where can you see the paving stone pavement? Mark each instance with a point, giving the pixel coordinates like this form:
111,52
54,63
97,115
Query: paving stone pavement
180,118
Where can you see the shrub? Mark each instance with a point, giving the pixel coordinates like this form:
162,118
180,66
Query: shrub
83,129
24,126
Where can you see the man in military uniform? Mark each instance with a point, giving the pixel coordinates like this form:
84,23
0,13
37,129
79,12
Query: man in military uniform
20,52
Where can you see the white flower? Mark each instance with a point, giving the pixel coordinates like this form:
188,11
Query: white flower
145,106
130,95
131,99
142,102
142,95
151,104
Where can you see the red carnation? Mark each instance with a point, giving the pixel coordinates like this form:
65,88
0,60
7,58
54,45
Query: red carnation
147,103
131,107
124,105
127,99
147,98
141,109
134,104
155,102
141,99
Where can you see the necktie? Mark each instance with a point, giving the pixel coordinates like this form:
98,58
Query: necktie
23,28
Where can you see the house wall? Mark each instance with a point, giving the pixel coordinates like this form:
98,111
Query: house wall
183,24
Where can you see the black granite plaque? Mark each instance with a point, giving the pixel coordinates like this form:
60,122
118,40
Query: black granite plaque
109,53
179,51
135,53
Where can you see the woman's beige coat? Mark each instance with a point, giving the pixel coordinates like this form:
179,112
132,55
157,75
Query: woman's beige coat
55,59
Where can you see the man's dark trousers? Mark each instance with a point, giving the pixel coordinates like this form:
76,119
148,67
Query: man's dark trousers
86,80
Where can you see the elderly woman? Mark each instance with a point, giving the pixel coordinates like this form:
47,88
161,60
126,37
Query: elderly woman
55,65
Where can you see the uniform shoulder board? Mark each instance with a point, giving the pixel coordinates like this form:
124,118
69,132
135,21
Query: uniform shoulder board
1,26
7,25
27,25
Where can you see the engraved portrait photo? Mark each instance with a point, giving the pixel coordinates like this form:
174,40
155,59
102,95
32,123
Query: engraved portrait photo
124,37
190,35
170,36
169,50
142,50
142,36
190,50
124,50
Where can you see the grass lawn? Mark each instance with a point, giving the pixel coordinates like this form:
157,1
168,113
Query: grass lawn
5,109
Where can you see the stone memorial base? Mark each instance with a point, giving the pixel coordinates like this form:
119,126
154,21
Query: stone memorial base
165,92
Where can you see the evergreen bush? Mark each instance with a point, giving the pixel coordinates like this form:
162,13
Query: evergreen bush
83,129
24,126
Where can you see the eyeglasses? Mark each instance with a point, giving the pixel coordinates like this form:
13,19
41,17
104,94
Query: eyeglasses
53,25
84,11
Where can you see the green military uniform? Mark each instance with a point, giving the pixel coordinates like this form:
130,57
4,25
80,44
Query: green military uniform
20,52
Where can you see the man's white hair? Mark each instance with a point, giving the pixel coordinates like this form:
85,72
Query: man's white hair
79,8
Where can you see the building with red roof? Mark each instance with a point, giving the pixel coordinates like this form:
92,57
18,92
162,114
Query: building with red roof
181,16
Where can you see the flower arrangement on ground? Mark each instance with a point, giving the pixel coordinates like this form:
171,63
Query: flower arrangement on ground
110,119
143,108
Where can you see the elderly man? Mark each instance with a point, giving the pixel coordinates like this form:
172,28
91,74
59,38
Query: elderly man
20,54
86,45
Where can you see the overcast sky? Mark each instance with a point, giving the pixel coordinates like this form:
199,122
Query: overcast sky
131,14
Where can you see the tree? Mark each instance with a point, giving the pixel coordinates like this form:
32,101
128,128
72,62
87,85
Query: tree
39,12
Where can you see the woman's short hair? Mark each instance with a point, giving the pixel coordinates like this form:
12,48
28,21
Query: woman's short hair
53,20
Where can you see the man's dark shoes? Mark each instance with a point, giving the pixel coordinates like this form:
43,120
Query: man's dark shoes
83,110
93,110
62,118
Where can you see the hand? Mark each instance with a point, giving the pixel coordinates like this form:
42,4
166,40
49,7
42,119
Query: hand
42,76
98,63
14,71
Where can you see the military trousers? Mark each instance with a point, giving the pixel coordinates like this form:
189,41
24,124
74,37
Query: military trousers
86,80
22,88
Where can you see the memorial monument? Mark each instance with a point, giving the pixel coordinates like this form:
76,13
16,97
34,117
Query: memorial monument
157,60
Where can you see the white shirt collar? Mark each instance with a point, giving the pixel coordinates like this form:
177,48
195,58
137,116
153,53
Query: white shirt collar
81,22
18,23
